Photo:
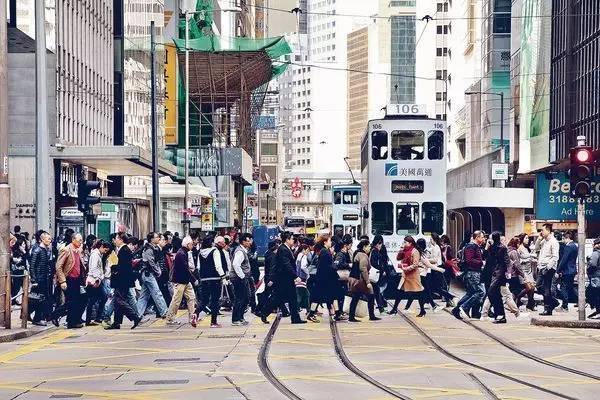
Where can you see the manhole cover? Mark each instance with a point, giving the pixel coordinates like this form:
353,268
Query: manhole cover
164,382
189,359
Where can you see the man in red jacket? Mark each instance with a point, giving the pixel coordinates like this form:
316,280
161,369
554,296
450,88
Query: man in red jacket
473,299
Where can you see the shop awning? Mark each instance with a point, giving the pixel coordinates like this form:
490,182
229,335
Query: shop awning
113,160
490,197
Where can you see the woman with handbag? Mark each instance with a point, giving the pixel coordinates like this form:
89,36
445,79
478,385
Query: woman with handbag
326,281
359,282
379,259
527,260
343,264
437,278
410,284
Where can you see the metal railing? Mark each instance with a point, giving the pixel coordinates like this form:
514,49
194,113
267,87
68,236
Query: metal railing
23,293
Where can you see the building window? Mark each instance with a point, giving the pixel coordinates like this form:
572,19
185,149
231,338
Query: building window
441,96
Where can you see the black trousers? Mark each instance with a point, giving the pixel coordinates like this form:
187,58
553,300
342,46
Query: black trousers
282,294
74,303
122,307
439,285
43,309
241,294
210,295
354,302
95,298
544,284
496,299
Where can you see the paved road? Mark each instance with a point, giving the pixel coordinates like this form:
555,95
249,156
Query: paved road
160,362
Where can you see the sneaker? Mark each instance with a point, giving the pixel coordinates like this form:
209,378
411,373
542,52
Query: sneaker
91,323
237,323
40,323
244,322
451,303
173,323
456,311
56,322
216,326
436,309
313,318
499,321
112,327
463,313
546,313
392,312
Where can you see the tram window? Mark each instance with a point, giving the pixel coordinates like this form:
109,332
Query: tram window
351,230
433,218
379,145
408,145
435,145
337,197
338,230
350,197
382,217
407,218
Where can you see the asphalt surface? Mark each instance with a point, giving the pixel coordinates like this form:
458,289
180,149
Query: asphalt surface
164,362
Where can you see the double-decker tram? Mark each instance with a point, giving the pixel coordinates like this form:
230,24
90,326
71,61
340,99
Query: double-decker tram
346,210
403,166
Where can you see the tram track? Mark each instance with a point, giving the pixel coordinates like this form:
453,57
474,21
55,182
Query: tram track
526,354
475,365
339,349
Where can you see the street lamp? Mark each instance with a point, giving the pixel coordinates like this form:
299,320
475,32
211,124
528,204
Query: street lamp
502,150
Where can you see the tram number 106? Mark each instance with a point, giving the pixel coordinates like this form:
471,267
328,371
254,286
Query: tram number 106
406,109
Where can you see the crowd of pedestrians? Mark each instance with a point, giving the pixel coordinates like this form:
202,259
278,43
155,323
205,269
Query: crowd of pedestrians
94,281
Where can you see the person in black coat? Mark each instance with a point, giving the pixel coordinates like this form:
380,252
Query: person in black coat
122,278
270,256
41,277
498,254
325,290
284,280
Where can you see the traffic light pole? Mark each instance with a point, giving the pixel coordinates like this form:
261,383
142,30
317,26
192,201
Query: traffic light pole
581,276
155,186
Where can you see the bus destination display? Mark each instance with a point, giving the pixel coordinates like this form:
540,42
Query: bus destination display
405,187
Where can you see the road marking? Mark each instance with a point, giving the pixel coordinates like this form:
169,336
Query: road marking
35,345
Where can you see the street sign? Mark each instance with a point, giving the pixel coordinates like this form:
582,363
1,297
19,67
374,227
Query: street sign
500,172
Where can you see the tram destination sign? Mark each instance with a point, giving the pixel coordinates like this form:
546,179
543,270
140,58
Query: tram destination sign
405,187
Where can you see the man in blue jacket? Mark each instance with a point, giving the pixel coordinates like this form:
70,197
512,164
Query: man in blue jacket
567,269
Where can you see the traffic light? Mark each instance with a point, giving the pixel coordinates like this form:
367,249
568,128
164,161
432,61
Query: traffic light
84,200
582,171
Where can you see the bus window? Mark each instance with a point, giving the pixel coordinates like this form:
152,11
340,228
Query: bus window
435,145
379,145
310,223
433,218
350,197
337,197
351,230
408,145
294,223
382,217
338,230
407,218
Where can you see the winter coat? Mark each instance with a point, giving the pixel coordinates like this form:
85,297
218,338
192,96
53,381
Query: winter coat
568,261
473,257
211,264
499,261
327,284
269,265
181,271
359,274
122,275
411,278
150,259
285,267
66,262
40,264
593,269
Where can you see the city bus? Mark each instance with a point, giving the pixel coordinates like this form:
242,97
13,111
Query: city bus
346,210
295,224
403,167
310,226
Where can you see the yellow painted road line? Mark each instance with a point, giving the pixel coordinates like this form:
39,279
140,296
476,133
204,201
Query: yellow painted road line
35,345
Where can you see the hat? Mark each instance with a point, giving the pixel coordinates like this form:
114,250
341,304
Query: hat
219,239
596,241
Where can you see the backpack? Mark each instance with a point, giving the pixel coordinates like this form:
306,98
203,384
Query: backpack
462,261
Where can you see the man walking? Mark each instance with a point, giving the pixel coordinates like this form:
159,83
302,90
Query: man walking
240,277
70,275
285,279
548,261
475,291
122,279
41,276
567,269
212,259
150,273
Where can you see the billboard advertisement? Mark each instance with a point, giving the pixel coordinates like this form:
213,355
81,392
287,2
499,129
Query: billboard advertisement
535,86
554,202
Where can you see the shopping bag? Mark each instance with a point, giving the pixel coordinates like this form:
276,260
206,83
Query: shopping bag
374,275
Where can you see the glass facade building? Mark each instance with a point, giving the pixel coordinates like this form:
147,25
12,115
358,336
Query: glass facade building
403,59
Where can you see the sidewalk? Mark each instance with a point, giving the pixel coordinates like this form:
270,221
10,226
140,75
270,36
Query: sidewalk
16,333
565,319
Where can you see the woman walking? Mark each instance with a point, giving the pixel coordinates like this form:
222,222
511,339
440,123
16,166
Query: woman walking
436,277
326,281
527,260
343,264
182,279
379,261
302,271
498,253
411,277
359,283
94,283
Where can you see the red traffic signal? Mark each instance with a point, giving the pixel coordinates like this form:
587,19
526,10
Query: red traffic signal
582,171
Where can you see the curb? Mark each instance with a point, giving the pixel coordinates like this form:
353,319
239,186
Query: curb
554,323
23,334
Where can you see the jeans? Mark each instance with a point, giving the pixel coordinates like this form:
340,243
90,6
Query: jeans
241,294
475,293
122,306
150,289
74,303
567,289
210,295
182,290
